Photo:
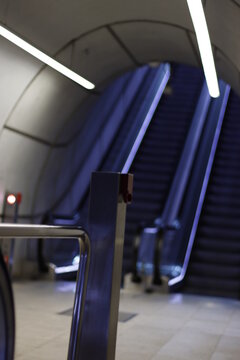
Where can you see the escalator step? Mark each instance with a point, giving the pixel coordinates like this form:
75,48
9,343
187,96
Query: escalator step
215,257
214,266
157,158
215,271
216,233
223,246
221,285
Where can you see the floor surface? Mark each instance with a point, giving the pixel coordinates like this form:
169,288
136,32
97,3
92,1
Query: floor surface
166,327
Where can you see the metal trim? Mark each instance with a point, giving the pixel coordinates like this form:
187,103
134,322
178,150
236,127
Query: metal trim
46,231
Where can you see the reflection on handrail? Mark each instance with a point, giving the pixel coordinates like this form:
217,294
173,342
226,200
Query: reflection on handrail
45,231
183,171
164,79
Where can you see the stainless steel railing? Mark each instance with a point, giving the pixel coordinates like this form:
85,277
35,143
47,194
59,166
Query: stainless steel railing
45,231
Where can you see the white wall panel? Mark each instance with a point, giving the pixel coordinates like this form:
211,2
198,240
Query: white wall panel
3,10
99,56
46,105
20,162
52,24
156,42
232,76
17,69
224,26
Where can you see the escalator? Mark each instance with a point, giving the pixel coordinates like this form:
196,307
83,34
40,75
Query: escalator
141,87
114,159
156,161
214,266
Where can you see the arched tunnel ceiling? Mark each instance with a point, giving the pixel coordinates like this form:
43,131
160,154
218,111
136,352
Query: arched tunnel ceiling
51,25
99,40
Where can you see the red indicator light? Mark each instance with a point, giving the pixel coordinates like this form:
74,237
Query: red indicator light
19,198
11,199
6,259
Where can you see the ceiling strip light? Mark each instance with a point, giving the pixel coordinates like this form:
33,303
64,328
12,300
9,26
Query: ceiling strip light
45,58
204,44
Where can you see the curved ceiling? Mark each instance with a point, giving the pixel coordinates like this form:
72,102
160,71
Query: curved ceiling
99,40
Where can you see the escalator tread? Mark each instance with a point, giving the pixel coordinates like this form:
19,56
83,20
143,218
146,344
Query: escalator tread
214,266
158,156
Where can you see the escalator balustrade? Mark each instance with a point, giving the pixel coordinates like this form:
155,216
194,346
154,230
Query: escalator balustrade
214,267
156,161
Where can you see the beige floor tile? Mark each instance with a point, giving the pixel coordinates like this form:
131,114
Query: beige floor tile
189,344
208,327
222,356
167,326
229,345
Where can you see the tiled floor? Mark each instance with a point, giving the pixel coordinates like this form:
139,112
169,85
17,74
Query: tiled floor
167,327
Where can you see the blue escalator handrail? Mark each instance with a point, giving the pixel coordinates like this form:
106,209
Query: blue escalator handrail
135,136
180,181
224,99
148,112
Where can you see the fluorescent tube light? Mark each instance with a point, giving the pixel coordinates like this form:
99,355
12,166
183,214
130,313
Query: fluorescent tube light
45,58
204,44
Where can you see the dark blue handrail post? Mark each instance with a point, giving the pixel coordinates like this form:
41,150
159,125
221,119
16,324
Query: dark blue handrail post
110,192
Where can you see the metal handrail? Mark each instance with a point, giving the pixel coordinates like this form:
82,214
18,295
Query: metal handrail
183,171
164,75
46,231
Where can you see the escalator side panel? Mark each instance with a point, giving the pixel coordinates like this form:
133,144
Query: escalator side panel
214,266
156,161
